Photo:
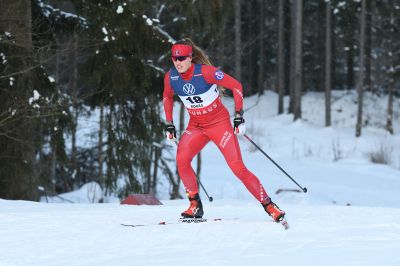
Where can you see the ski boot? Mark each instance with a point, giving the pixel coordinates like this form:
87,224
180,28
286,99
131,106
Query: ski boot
273,210
195,209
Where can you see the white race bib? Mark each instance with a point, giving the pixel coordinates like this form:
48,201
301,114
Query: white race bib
198,101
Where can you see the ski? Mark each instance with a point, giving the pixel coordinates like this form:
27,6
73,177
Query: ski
180,221
283,222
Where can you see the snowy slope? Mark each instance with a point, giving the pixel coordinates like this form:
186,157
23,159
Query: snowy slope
83,234
350,215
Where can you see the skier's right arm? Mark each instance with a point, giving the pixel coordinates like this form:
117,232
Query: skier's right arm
168,101
168,98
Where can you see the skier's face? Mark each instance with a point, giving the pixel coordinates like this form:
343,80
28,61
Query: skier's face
182,63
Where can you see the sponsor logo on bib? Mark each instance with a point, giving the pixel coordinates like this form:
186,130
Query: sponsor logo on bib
189,89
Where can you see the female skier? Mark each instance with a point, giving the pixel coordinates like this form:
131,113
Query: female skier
195,81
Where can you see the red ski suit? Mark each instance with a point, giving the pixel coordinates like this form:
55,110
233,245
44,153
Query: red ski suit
209,120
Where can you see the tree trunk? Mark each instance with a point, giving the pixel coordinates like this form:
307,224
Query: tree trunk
261,55
100,145
249,63
149,177
328,64
333,54
360,83
391,74
389,120
238,42
350,67
153,184
75,102
298,67
292,56
111,174
349,47
53,164
368,43
281,57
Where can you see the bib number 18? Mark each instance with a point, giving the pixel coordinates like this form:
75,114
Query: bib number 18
195,99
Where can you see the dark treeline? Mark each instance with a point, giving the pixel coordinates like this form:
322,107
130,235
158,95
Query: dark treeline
65,60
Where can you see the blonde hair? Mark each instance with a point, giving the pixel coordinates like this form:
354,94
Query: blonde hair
199,56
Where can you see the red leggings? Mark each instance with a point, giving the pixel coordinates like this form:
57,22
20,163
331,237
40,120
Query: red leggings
196,137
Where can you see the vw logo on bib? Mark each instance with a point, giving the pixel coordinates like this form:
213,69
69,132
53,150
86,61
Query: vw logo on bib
189,89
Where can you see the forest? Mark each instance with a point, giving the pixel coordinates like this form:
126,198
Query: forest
67,59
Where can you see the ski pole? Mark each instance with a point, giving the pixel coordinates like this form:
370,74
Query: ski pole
205,191
198,180
304,189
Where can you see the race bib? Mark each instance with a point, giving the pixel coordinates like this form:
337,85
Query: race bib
196,101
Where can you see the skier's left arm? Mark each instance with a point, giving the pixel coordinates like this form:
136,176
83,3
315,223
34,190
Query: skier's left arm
213,75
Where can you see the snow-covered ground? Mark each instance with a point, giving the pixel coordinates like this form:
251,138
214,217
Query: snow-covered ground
350,215
83,234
